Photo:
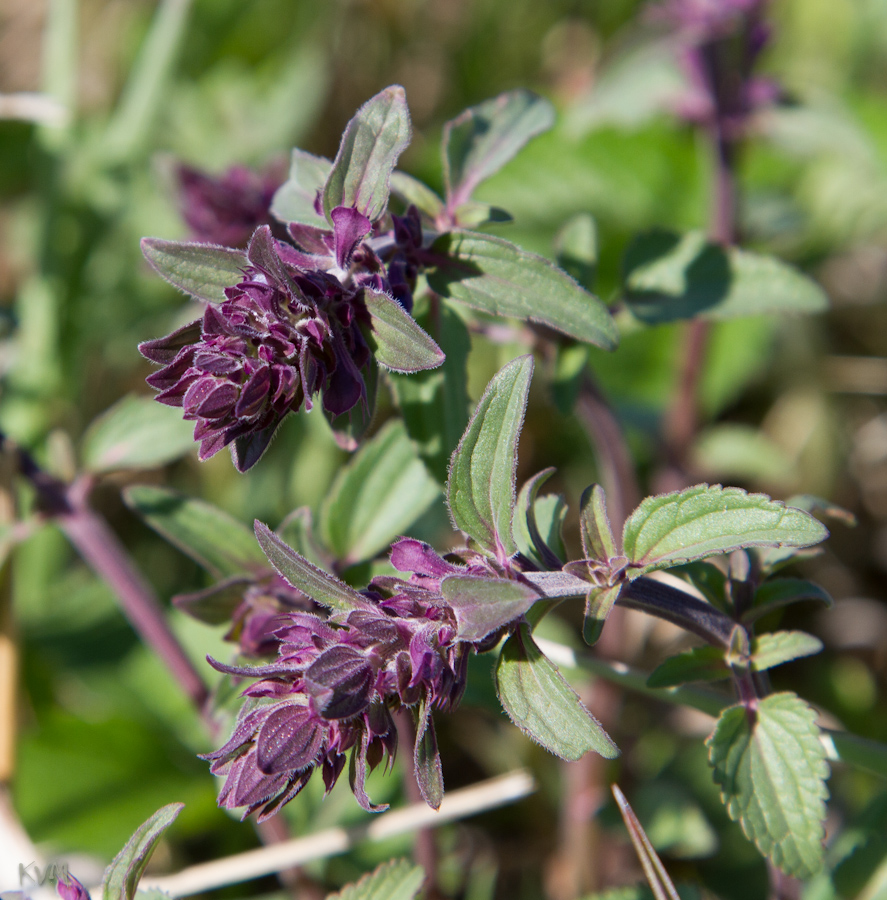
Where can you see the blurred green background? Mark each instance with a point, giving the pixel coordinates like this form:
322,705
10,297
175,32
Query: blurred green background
103,736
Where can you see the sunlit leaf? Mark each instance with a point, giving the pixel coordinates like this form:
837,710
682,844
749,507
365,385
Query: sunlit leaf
393,880
484,604
376,497
493,275
201,270
770,765
371,144
541,703
295,198
770,650
479,141
480,489
397,341
702,521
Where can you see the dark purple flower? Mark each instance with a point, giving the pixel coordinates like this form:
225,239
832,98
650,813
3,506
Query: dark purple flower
228,208
333,686
288,330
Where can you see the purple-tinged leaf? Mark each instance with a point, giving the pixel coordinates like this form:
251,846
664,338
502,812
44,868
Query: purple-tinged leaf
480,488
426,758
398,343
322,587
165,349
122,877
349,227
482,605
706,663
201,270
541,703
702,521
372,142
296,198
248,449
339,681
67,887
212,538
479,141
495,276
264,253
349,427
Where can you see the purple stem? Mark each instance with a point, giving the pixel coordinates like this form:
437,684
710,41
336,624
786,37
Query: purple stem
103,551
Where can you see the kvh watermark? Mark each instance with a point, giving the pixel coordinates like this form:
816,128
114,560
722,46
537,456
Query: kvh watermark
30,875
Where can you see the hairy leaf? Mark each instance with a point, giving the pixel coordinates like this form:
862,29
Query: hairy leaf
702,521
770,765
598,542
527,535
669,276
770,650
372,142
699,664
479,141
322,587
397,341
122,877
201,270
426,758
219,543
382,490
541,703
484,604
135,433
599,603
396,879
495,276
295,198
480,488
434,403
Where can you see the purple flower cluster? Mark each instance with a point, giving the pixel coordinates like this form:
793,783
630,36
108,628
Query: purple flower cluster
723,40
227,209
334,685
288,330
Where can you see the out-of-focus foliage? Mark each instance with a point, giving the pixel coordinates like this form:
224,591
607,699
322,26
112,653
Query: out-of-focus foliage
789,405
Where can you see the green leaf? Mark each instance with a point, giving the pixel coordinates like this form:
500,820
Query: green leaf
708,579
479,141
322,587
770,765
702,521
770,650
569,370
541,703
527,536
480,488
212,538
216,604
598,542
376,497
201,270
122,876
294,199
483,605
474,214
575,247
397,341
393,880
135,433
426,757
434,403
372,142
551,511
412,191
779,592
699,664
670,276
599,603
495,276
